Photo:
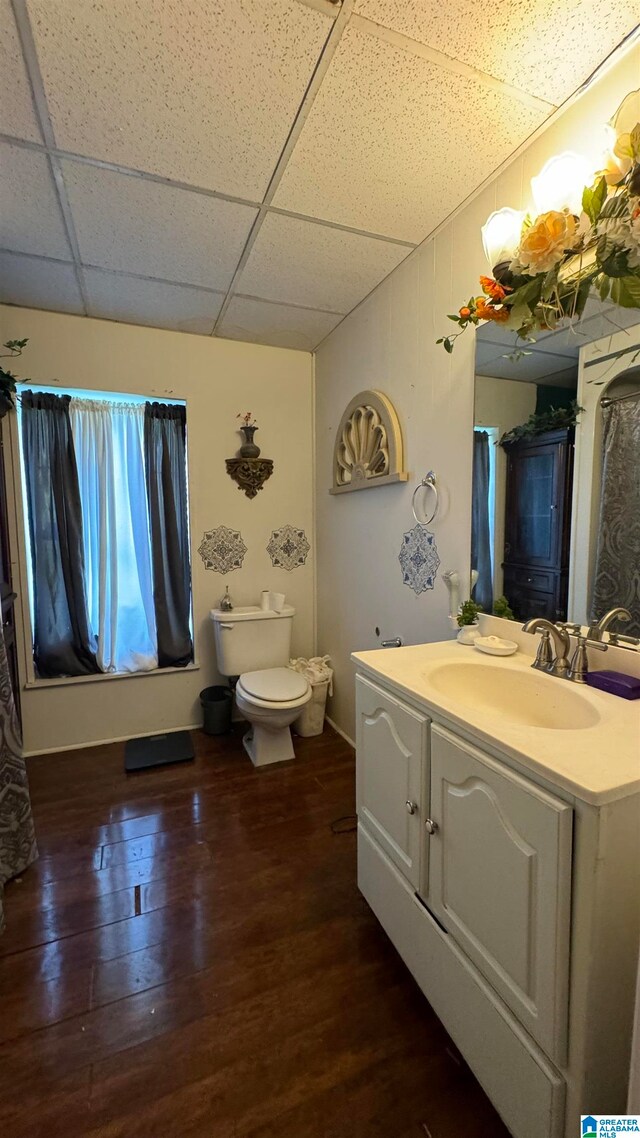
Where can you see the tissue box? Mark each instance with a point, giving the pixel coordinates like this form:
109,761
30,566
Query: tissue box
616,683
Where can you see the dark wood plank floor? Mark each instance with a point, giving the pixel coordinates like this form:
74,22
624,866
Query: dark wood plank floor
190,957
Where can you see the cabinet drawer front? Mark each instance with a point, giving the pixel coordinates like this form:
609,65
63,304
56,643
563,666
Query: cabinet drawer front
531,578
391,739
499,879
522,1084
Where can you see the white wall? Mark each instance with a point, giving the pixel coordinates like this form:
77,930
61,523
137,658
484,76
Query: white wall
217,378
389,343
501,403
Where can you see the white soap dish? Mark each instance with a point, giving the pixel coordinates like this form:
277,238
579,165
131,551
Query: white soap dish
496,646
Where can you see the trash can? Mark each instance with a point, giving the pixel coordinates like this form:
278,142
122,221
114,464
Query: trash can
311,719
320,676
216,708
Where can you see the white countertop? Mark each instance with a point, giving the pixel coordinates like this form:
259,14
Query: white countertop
597,764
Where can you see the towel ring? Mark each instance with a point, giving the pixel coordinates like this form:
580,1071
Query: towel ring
427,483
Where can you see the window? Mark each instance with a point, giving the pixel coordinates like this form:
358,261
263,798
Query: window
107,530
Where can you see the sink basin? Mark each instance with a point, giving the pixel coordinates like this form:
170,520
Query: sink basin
527,699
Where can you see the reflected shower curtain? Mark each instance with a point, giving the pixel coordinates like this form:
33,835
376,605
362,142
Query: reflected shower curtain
617,573
166,472
17,835
480,530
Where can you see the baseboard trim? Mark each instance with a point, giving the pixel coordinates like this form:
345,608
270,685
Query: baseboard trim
105,742
340,732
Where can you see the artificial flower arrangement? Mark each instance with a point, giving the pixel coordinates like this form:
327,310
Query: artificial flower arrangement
247,420
562,255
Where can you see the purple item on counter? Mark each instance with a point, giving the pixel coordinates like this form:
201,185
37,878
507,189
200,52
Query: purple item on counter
616,683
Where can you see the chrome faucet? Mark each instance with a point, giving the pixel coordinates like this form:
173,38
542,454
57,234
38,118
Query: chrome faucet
577,669
601,626
557,665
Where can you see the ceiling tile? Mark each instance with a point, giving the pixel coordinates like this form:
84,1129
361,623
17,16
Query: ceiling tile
130,300
203,91
537,366
17,116
133,225
389,145
30,217
545,48
298,262
258,322
36,283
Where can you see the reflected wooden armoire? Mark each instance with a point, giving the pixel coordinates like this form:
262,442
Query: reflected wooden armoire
538,524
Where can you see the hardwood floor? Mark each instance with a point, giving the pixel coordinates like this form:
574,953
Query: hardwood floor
190,958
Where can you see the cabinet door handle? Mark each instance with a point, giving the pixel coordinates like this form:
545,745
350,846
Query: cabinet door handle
431,826
412,807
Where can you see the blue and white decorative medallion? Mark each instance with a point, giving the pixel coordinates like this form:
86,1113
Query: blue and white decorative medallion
288,547
222,549
419,559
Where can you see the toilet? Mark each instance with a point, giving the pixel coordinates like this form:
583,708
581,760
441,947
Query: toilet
254,645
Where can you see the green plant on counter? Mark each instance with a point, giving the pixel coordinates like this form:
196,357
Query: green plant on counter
501,607
554,419
468,613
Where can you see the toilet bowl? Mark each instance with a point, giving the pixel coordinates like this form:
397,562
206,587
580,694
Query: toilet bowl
254,645
270,700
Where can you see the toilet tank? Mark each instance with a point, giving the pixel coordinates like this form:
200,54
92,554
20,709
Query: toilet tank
248,639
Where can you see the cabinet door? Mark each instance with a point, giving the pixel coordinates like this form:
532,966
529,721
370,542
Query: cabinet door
499,880
536,515
391,739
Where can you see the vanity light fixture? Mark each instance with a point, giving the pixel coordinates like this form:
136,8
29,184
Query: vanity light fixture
582,238
501,234
560,183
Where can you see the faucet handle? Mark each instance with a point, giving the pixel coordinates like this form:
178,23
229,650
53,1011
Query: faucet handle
621,640
571,626
593,643
544,655
579,668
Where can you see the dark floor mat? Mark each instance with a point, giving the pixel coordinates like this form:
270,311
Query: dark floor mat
158,750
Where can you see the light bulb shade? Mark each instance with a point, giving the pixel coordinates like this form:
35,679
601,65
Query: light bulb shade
560,183
501,235
627,114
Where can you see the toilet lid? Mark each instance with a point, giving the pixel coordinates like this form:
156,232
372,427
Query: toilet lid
275,685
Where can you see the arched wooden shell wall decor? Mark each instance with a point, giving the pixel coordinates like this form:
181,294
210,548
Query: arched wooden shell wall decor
368,450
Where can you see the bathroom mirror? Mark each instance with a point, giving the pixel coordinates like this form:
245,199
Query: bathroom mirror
556,513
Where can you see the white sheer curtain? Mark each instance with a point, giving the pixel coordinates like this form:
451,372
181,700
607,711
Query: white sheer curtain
109,444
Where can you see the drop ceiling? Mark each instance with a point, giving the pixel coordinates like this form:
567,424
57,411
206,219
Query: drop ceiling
552,359
252,169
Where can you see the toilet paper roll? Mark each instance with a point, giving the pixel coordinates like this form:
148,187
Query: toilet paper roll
265,600
277,601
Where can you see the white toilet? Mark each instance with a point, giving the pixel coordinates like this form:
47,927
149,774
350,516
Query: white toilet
269,695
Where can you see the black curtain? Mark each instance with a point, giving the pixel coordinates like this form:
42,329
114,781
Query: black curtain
166,473
63,642
480,532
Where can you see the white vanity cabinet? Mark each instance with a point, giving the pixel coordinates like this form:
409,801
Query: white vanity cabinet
513,906
391,740
499,881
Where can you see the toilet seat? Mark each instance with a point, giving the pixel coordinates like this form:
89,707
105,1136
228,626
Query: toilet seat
277,688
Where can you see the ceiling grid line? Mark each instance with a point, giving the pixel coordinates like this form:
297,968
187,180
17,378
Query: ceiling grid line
168,281
27,42
447,62
345,111
322,65
126,171
158,179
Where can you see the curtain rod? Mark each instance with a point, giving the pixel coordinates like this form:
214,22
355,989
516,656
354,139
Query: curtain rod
607,399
